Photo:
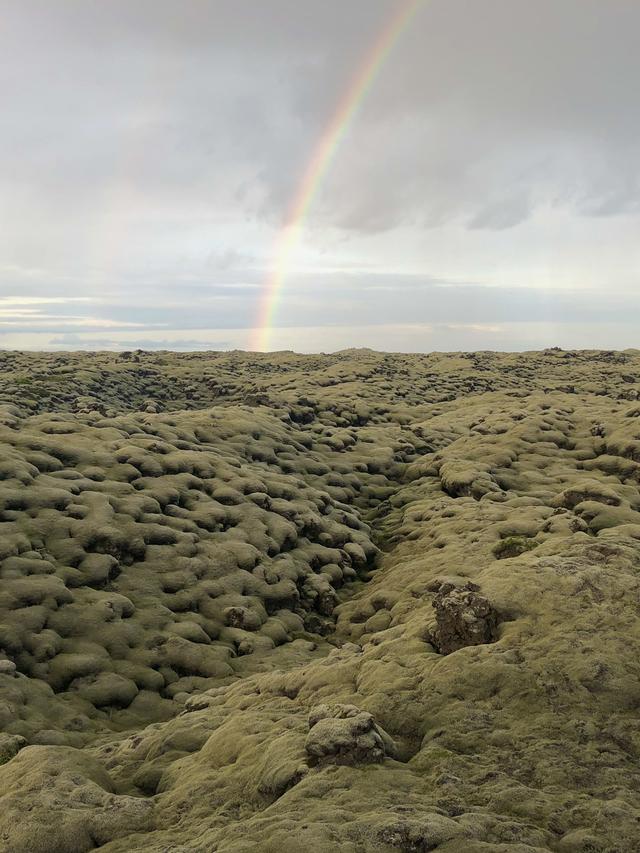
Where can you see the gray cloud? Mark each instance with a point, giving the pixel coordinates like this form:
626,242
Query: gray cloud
216,103
320,300
149,152
72,342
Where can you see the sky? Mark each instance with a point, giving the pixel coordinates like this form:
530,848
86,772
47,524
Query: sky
484,195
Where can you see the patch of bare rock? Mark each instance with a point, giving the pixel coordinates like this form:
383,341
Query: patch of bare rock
464,617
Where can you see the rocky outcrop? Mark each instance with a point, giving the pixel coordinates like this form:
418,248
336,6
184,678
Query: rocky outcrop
344,734
463,618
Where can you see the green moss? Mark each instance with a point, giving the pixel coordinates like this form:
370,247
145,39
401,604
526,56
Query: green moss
513,546
217,558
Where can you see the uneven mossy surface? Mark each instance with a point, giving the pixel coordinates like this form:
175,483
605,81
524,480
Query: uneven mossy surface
218,574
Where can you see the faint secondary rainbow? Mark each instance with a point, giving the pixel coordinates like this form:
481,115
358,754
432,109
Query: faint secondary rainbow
320,162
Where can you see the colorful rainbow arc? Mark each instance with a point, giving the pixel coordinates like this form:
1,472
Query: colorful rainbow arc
319,164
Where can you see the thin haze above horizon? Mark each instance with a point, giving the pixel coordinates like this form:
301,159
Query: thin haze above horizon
482,193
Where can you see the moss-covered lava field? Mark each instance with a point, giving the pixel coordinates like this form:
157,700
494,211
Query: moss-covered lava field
355,602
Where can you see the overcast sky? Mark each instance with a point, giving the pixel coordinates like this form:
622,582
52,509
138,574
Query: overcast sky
486,194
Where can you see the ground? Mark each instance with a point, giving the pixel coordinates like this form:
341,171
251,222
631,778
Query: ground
354,602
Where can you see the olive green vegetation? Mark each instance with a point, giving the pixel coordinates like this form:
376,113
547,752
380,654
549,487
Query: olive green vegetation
354,602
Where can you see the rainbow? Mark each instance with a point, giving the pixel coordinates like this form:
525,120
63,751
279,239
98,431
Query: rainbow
319,164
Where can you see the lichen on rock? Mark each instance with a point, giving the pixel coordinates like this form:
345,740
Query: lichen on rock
344,734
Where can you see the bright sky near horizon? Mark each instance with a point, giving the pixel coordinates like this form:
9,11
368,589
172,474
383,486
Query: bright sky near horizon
485,192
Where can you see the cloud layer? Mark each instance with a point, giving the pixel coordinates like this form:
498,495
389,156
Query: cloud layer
149,153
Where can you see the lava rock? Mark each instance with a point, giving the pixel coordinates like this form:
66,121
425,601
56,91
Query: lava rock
463,618
344,734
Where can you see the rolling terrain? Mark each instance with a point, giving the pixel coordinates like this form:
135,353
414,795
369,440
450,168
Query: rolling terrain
354,602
